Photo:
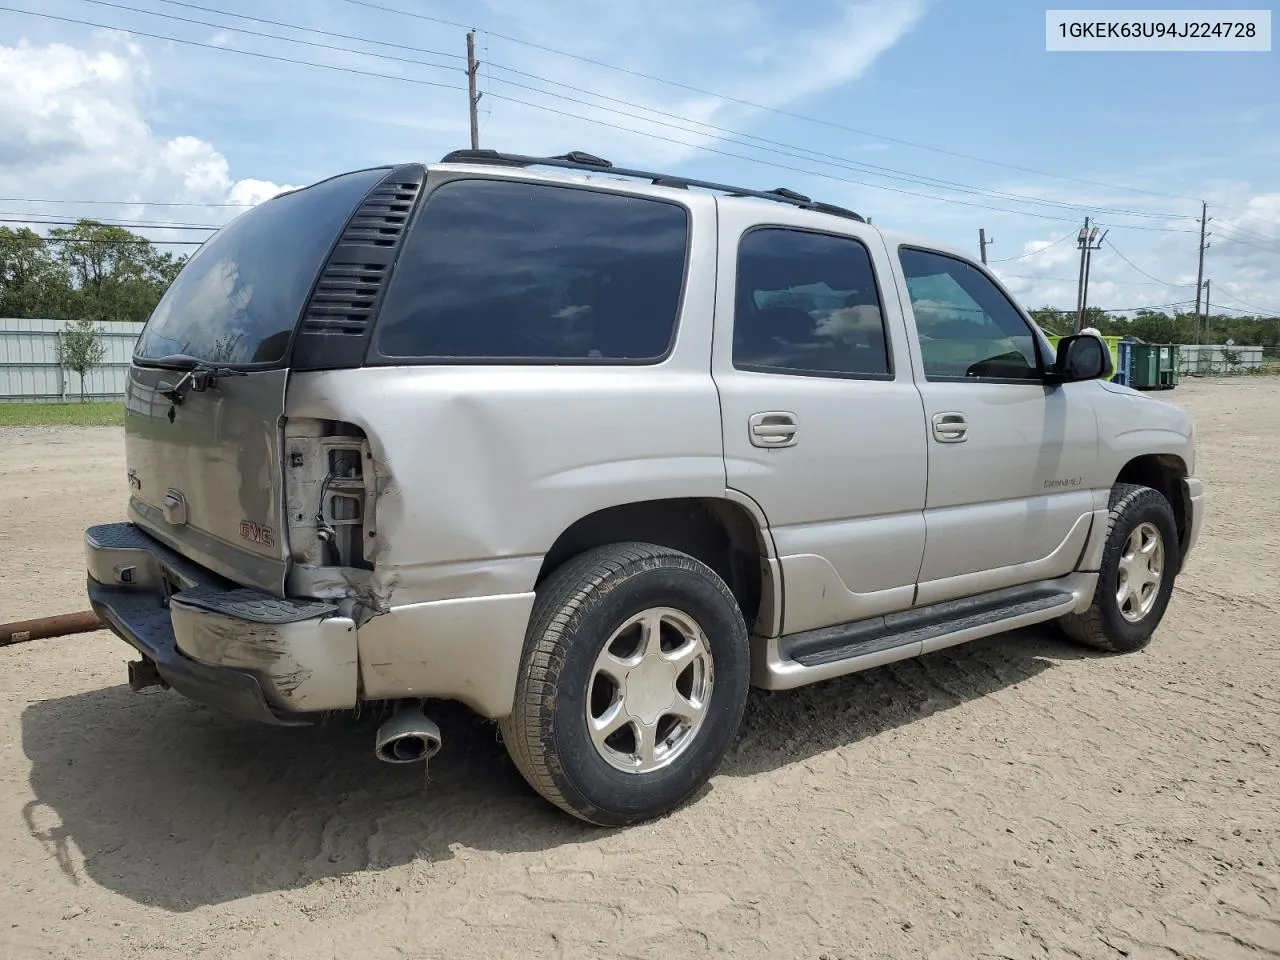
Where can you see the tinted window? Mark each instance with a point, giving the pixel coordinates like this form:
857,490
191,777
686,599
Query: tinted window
967,327
238,298
807,303
501,270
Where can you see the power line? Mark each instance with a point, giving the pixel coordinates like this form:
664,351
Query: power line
1256,216
760,106
315,30
890,173
1131,226
148,224
124,203
536,106
1245,303
1163,283
131,240
1242,234
548,109
1035,253
1152,306
562,113
1227,225
1251,312
1227,238
268,36
1139,283
243,53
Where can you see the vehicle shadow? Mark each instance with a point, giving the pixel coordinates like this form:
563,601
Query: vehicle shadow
790,726
171,805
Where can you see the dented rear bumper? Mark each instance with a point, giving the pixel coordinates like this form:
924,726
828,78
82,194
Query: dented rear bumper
233,648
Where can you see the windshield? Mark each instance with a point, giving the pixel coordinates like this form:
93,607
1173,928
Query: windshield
239,297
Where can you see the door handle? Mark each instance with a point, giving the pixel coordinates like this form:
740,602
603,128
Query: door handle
950,427
775,428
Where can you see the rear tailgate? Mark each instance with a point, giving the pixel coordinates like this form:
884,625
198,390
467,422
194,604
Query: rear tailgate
204,459
208,484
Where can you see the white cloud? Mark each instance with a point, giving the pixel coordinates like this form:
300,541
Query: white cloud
756,59
73,124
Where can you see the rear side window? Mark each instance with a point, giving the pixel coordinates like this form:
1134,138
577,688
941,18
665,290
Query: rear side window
807,304
507,271
239,297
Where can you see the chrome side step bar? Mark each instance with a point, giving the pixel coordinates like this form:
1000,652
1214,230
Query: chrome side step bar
783,663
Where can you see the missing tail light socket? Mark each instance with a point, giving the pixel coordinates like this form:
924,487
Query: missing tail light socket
330,482
343,507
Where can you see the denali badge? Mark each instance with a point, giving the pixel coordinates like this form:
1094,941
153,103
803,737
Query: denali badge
257,533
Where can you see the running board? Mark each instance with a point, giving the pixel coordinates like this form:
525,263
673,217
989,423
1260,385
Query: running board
791,661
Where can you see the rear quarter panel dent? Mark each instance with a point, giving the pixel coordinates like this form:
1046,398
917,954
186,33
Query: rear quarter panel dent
485,467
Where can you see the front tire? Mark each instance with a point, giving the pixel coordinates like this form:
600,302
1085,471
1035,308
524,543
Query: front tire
1139,565
632,686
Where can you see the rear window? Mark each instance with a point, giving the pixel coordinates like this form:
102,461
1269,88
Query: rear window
508,271
239,297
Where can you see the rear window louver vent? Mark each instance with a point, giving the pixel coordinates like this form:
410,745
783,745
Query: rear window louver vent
344,297
338,316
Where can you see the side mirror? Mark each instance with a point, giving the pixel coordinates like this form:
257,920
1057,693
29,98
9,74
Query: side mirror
1082,357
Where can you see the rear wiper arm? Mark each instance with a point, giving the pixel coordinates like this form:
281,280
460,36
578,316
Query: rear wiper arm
200,376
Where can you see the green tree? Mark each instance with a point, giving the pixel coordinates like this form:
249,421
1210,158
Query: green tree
80,348
32,283
107,267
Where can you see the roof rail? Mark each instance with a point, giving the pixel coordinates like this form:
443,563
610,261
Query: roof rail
577,160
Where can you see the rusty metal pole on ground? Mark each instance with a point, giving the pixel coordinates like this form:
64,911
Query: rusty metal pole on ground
45,627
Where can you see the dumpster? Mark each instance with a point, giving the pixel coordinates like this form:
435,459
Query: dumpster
1152,366
1123,350
1144,366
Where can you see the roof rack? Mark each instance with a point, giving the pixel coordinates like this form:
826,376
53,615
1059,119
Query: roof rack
577,160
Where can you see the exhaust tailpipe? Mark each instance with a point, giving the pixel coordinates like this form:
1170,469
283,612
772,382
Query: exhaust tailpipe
408,737
143,674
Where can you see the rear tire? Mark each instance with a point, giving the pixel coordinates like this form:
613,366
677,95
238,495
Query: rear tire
632,686
1139,565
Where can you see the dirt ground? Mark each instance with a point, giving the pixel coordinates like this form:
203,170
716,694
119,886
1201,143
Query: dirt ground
1013,798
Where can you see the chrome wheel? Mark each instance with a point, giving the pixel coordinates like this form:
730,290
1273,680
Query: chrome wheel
649,690
1141,572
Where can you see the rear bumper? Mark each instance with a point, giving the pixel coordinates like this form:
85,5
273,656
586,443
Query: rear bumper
237,650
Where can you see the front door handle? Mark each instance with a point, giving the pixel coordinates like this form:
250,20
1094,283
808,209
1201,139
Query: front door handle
950,427
776,428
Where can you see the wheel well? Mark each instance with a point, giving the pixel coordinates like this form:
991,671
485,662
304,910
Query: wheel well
720,533
1165,473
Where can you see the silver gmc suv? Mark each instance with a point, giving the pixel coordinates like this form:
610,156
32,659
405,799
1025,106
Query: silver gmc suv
593,450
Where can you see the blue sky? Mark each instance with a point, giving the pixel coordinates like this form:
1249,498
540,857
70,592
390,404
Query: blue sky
93,114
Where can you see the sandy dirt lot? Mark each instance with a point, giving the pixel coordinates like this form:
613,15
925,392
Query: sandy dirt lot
1014,798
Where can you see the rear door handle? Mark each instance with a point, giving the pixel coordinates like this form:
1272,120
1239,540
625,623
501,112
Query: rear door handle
775,428
950,427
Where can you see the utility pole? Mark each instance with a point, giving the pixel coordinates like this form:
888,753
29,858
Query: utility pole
472,95
1088,241
1204,220
1081,239
982,243
1095,243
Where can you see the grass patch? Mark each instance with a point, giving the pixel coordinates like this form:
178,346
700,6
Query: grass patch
105,414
